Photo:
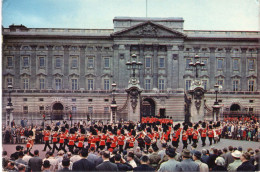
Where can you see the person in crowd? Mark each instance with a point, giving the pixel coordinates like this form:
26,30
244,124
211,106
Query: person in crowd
92,156
53,161
187,164
46,166
163,151
144,165
11,167
26,156
21,168
154,158
65,165
229,158
171,164
122,165
83,164
60,155
35,162
20,159
246,165
106,165
220,165
212,157
257,161
237,162
15,155
75,156
196,157
204,157
130,159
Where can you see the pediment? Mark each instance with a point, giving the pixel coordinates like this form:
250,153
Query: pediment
90,75
8,74
57,75
148,29
106,75
41,74
74,75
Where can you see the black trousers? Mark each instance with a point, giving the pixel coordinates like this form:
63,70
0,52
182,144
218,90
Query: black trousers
195,141
190,138
185,144
71,147
175,144
108,144
121,148
47,143
210,140
55,147
147,147
203,139
102,147
62,147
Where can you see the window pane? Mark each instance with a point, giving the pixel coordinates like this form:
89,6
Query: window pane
41,80
90,62
251,64
251,85
204,83
235,64
58,84
161,63
58,62
188,63
74,84
220,82
42,63
90,109
74,109
147,62
90,84
188,84
235,85
25,61
26,83
161,84
205,61
220,63
148,84
9,81
9,61
106,61
106,109
106,84
74,62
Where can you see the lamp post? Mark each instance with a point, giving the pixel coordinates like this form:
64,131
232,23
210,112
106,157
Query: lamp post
9,106
196,65
133,66
113,105
216,105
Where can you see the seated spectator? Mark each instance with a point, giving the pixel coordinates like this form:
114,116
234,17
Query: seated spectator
246,165
144,165
83,164
220,164
122,165
237,162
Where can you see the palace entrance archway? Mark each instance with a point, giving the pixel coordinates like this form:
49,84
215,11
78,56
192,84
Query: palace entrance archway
235,107
148,107
57,111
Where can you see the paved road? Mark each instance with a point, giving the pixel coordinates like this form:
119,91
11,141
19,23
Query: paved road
10,148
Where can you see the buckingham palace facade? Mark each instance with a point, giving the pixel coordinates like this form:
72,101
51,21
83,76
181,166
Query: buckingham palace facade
59,72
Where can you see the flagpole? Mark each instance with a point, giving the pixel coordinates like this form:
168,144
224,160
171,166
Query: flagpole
146,8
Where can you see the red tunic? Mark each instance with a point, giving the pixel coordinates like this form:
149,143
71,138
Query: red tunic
54,138
62,137
184,135
195,134
72,140
121,140
81,141
210,133
204,132
46,135
131,142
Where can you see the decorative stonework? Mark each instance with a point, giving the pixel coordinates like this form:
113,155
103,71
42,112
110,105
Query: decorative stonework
134,93
147,30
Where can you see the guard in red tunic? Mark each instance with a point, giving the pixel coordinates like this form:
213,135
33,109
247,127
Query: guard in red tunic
175,136
103,141
195,135
132,142
62,137
46,135
189,132
81,138
210,134
185,137
71,138
121,141
55,139
203,134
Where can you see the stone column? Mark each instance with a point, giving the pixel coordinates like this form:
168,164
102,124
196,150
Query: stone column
65,79
182,65
49,67
82,57
228,69
243,81
99,66
212,67
33,78
258,69
115,67
155,66
142,71
169,67
17,61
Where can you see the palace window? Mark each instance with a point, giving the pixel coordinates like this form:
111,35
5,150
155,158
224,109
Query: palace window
220,64
57,62
187,85
148,62
74,83
161,62
90,84
161,84
90,109
188,63
41,61
9,61
235,85
9,81
41,82
25,109
204,83
251,64
106,62
221,82
74,62
251,84
26,83
106,84
235,64
106,110
205,61
74,109
58,84
148,84
90,62
25,61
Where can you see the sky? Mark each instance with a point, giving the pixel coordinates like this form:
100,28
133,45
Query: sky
98,14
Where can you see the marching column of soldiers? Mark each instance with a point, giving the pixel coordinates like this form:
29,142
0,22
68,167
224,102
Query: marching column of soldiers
124,136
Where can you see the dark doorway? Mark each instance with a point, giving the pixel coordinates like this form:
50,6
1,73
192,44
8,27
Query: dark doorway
235,107
162,113
148,107
57,111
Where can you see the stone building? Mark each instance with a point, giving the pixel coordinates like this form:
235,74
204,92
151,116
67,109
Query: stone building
59,71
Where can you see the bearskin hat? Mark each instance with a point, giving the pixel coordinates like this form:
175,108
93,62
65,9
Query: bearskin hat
72,131
156,128
134,133
48,128
75,129
185,127
56,129
63,129
210,122
210,126
218,124
203,125
119,126
122,131
148,130
67,126
195,127
82,131
175,128
190,124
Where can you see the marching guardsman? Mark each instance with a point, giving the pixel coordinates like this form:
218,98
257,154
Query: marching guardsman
195,135
121,141
22,134
175,136
114,142
189,132
55,139
71,138
81,138
179,131
185,137
62,137
203,134
109,141
46,135
210,134
102,144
